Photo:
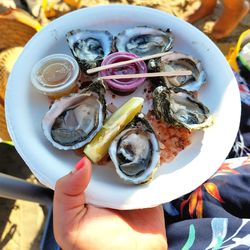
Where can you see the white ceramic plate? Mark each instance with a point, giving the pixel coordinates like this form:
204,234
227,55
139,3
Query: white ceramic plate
25,108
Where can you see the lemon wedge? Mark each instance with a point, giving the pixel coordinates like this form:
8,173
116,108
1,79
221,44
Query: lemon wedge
98,147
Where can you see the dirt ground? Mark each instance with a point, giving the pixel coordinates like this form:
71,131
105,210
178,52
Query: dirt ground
21,223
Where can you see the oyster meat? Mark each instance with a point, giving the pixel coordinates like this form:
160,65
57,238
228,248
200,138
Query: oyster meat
143,41
174,61
135,152
74,120
89,47
179,107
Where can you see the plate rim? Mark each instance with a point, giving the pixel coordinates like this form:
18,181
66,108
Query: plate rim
43,179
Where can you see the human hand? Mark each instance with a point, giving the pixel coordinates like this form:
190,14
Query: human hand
81,226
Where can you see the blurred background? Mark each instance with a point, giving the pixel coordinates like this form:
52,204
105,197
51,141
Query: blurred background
21,222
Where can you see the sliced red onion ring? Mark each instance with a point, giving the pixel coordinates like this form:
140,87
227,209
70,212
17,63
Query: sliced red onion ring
124,86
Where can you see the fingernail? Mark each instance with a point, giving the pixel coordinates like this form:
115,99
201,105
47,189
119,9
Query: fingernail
79,165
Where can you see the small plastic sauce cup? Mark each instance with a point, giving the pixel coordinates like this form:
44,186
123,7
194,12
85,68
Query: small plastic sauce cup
56,75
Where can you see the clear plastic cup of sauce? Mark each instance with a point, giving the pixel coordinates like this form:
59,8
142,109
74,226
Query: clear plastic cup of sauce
56,75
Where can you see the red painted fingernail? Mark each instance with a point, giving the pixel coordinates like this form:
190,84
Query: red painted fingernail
80,164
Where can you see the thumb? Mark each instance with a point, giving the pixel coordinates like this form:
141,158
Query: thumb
69,200
69,190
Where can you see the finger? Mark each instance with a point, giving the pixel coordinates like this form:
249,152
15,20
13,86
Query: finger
69,201
69,190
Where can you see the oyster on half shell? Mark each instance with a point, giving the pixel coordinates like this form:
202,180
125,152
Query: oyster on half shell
89,47
73,121
174,61
179,107
143,40
135,152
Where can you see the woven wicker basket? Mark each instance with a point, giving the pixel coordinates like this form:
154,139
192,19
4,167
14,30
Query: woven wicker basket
7,60
16,28
4,135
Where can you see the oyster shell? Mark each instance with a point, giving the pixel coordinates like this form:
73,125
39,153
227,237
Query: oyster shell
74,120
180,108
135,152
178,61
143,40
89,47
